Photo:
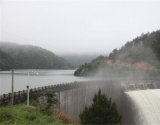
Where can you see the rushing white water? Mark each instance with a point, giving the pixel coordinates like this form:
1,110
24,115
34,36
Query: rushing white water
146,106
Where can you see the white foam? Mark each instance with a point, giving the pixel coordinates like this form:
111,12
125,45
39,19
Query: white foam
147,103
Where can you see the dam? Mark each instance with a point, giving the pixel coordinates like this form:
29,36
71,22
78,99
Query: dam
138,101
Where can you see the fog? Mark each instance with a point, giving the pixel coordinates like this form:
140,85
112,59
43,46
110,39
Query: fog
80,27
78,59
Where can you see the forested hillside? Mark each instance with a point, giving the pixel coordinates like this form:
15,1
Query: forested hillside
5,61
142,54
30,57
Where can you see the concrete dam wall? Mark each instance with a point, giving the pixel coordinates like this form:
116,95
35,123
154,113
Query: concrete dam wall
73,101
130,98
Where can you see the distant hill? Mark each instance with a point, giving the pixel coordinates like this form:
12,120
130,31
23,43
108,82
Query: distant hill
5,61
78,59
32,57
142,54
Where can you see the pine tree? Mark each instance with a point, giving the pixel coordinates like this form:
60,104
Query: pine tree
51,100
102,111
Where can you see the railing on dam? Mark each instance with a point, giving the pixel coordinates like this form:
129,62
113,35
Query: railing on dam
21,96
126,85
140,85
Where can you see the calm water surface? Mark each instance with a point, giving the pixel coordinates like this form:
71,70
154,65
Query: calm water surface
35,78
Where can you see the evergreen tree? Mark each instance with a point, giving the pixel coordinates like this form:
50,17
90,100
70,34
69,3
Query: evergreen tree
102,111
51,100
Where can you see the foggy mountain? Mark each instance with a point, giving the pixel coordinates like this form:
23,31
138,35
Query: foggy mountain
30,57
139,55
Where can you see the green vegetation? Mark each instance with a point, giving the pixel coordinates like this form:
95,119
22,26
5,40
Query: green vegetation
90,68
142,51
51,100
143,48
41,111
30,57
102,111
100,68
23,115
5,61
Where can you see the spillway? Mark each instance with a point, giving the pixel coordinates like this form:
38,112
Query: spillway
143,107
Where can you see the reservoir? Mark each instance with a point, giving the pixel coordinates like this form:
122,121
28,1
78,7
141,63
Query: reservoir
35,78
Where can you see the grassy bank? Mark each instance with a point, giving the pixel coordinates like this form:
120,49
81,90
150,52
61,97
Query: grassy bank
23,115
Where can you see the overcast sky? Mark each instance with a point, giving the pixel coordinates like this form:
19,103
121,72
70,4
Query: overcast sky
77,26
